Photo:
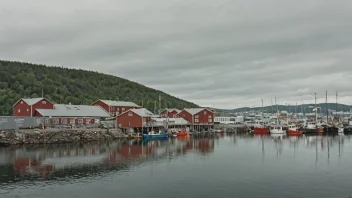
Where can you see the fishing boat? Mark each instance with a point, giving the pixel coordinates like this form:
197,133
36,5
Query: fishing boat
275,129
293,130
155,135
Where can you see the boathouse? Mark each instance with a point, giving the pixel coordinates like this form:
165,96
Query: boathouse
169,113
27,107
115,108
201,119
135,119
72,115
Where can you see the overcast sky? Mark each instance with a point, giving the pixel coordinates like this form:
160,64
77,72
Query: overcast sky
226,53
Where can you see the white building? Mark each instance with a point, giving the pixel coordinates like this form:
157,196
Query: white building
229,120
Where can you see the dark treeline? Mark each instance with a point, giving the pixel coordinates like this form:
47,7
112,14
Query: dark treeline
63,85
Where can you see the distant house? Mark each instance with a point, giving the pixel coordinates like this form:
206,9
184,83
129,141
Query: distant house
72,114
115,108
200,118
27,107
169,113
135,118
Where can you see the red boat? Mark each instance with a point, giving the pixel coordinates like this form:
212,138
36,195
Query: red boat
261,130
293,130
182,133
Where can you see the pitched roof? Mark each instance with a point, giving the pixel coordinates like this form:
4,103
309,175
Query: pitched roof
143,112
171,110
120,103
32,101
61,110
194,111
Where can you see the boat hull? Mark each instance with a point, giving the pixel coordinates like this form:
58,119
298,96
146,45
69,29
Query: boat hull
155,136
181,134
294,132
261,130
277,131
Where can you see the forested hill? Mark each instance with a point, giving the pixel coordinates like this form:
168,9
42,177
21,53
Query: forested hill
63,85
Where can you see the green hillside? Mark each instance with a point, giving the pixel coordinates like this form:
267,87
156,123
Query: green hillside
63,85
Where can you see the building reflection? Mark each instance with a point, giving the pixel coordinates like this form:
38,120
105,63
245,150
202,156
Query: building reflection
43,162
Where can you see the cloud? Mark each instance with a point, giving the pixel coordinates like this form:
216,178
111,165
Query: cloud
226,53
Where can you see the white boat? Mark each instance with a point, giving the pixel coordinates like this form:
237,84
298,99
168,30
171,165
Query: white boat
276,130
311,125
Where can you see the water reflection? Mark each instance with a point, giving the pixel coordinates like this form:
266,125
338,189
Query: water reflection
61,161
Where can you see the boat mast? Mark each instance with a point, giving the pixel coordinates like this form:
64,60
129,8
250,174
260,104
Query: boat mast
277,113
336,107
288,112
327,109
302,106
316,115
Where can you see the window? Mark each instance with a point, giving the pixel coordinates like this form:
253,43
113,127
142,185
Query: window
56,121
19,110
118,109
80,121
46,121
27,110
130,114
210,120
209,116
205,112
196,120
123,109
72,121
196,116
21,102
64,121
44,102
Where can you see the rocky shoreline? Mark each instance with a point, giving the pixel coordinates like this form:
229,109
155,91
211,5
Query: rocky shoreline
58,136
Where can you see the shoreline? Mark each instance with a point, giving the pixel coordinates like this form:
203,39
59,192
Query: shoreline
59,136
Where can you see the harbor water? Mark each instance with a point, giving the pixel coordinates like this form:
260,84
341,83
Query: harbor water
221,166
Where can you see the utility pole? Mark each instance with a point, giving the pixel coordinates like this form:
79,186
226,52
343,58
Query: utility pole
262,105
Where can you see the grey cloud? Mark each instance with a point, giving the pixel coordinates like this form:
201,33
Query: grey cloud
228,52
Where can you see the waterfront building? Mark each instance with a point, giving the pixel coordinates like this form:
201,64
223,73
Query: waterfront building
115,108
27,107
200,118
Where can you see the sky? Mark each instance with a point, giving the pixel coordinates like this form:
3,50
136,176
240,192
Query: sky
222,54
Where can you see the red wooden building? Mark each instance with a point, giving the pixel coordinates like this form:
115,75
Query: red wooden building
169,113
135,119
72,115
27,107
200,118
115,108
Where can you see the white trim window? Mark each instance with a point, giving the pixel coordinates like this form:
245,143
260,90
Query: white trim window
196,116
64,121
44,102
210,120
19,110
72,121
80,121
196,120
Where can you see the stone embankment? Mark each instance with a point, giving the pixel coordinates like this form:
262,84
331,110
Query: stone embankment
57,136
